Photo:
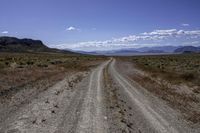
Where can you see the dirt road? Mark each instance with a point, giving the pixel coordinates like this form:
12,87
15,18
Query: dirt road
104,100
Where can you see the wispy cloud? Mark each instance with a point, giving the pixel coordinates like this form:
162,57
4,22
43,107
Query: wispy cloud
156,37
185,25
196,43
173,32
4,32
161,32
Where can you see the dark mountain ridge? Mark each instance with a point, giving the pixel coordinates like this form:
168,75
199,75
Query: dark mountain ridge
146,51
188,49
13,44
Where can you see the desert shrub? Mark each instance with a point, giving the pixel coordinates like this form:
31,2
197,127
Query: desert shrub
29,62
188,76
21,63
1,65
197,90
20,66
8,58
56,62
42,65
7,63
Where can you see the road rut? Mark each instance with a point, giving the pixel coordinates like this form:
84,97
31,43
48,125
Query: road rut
89,107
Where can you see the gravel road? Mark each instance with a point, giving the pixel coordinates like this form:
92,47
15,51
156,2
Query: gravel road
101,101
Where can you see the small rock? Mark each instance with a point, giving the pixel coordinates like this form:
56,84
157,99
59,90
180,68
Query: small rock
43,120
56,106
47,101
34,121
53,112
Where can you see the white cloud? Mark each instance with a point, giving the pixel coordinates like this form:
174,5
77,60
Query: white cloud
4,32
172,32
72,28
161,32
156,37
185,25
193,32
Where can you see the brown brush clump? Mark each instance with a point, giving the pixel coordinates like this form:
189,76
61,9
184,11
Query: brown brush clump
175,68
19,69
173,78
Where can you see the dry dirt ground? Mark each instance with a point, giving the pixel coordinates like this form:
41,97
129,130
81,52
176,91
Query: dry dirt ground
102,100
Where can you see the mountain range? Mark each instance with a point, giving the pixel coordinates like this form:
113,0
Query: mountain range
188,49
147,51
12,44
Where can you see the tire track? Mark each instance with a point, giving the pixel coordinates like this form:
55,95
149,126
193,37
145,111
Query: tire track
92,118
154,119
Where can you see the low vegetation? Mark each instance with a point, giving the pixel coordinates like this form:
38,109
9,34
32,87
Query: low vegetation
175,68
19,69
173,78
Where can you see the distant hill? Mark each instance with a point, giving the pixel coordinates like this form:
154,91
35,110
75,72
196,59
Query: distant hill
12,44
110,52
165,49
123,52
154,51
187,49
135,51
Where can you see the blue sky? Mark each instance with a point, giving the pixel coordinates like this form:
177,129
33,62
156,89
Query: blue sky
102,24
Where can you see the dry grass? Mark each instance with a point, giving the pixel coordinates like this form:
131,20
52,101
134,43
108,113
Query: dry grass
187,104
19,69
174,68
173,78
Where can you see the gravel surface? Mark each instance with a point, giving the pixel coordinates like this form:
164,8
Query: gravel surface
100,101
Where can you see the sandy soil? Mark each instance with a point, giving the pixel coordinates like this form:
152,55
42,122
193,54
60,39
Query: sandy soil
102,100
